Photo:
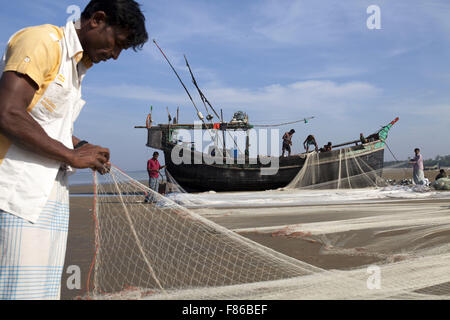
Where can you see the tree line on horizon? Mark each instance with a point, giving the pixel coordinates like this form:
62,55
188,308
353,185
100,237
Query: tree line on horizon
439,161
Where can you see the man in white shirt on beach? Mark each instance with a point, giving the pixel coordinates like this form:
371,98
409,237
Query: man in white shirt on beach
417,162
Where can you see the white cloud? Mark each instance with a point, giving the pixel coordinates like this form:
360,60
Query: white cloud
440,112
186,20
335,72
135,92
308,96
296,22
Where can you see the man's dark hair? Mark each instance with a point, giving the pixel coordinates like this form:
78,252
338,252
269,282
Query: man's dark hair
155,153
292,131
125,14
416,149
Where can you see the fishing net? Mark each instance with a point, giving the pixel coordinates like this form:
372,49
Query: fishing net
350,169
173,187
162,246
161,250
442,184
323,174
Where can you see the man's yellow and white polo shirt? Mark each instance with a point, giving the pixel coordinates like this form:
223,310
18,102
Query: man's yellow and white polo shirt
53,58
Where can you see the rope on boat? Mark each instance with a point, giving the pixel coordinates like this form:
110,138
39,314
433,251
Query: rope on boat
305,120
404,170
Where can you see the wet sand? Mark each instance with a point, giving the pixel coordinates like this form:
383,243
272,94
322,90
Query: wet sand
80,243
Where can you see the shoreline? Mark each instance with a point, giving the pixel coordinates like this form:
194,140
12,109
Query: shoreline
396,174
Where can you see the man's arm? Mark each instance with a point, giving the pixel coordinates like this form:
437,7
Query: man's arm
16,93
413,161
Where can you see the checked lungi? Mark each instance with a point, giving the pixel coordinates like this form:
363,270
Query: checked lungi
32,255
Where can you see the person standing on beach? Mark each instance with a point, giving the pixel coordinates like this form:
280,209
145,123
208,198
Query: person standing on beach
417,162
153,167
40,99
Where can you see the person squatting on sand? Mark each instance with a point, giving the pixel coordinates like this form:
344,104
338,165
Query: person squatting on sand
441,175
40,99
417,162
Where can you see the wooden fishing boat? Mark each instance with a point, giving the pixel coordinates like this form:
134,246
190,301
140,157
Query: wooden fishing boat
211,175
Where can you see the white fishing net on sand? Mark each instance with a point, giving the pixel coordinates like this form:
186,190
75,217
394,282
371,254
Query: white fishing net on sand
162,250
442,184
162,246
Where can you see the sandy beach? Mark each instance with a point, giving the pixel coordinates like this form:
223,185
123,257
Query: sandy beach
328,248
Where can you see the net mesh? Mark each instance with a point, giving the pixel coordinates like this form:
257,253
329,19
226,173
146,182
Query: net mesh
161,250
162,246
350,170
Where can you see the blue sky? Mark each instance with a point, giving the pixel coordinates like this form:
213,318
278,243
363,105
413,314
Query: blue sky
276,60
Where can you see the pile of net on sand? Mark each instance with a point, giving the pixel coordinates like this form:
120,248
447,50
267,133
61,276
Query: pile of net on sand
442,184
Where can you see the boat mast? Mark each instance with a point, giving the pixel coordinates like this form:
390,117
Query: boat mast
205,101
223,136
200,116
202,96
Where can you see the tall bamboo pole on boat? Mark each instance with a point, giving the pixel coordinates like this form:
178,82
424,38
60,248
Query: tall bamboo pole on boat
181,81
223,135
247,146
199,114
202,96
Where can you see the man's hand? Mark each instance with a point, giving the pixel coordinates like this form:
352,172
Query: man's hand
90,156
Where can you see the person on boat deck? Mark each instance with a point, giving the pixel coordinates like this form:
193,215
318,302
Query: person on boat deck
373,137
362,139
417,162
327,147
310,140
441,175
287,142
153,167
42,72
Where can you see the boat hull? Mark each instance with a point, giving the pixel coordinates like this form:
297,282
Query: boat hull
333,166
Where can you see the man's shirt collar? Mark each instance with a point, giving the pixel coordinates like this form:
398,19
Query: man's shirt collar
74,47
